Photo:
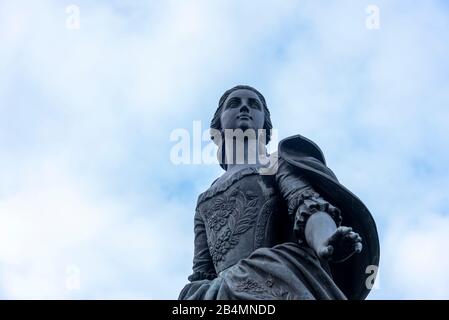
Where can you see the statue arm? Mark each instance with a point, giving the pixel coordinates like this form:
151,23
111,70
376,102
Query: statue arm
316,221
303,201
203,268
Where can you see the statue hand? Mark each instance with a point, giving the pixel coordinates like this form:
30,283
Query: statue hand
341,245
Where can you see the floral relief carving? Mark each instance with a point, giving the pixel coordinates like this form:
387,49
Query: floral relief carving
230,217
262,291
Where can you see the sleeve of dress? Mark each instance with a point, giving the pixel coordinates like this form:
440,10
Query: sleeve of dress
203,267
302,200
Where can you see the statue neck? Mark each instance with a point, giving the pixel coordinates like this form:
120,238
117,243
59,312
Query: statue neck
244,153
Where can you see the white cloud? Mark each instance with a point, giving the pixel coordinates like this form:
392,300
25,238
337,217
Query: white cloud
415,264
54,220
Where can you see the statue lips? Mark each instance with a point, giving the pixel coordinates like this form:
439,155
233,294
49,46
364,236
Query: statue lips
244,116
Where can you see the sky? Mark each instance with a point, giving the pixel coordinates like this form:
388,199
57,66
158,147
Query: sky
93,207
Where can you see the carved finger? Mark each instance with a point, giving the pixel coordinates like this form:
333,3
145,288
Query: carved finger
344,229
351,235
358,247
326,252
329,250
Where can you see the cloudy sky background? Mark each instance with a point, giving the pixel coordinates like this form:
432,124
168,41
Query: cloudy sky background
91,205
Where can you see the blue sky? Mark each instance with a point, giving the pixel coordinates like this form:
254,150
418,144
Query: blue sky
88,194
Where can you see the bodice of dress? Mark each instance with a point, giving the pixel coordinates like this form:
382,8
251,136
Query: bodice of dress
248,211
242,214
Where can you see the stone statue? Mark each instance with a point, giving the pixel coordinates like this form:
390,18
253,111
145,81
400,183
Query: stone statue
296,233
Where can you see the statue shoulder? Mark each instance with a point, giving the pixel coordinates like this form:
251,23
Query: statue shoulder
297,147
305,155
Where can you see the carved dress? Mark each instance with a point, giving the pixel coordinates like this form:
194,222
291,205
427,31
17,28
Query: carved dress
250,243
249,240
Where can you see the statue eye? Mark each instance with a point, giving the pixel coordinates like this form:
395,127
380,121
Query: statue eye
233,103
255,104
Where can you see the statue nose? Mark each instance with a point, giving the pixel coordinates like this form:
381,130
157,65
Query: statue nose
244,108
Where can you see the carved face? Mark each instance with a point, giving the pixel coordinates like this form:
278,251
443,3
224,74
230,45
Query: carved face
243,110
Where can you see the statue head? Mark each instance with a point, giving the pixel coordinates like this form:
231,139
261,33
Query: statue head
242,107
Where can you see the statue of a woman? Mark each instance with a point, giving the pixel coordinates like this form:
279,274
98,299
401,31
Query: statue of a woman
280,235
